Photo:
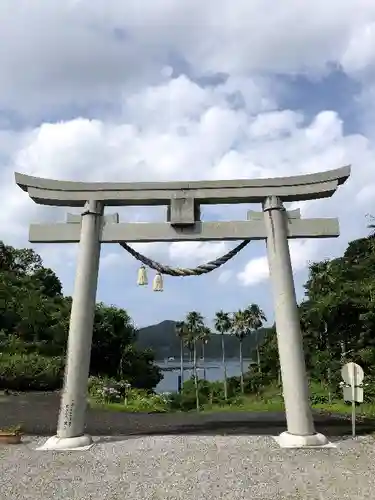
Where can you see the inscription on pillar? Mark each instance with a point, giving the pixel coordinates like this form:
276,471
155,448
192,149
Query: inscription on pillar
68,415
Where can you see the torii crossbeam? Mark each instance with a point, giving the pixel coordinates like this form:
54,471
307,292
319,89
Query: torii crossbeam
183,199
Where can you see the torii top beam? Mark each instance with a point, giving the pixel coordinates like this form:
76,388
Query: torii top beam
75,194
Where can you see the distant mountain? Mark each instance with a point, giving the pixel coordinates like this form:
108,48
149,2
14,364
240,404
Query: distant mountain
162,339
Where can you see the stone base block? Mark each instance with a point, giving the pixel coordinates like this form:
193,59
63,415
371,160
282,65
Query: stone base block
287,440
79,443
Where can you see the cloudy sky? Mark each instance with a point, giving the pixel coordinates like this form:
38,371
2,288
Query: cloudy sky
182,90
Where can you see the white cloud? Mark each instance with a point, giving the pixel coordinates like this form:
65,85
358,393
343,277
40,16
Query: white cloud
359,56
196,252
80,53
225,276
104,84
209,138
256,270
366,195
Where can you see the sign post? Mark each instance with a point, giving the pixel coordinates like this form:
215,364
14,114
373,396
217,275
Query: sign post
353,375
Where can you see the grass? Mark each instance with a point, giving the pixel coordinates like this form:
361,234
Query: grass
365,410
253,404
120,407
270,400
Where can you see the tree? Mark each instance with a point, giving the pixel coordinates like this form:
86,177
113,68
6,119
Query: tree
138,368
195,331
181,332
269,354
49,283
254,319
113,332
223,325
240,330
19,260
34,321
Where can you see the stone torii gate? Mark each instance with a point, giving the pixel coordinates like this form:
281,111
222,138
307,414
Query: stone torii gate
183,199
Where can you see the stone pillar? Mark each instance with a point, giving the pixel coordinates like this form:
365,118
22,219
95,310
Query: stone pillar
70,432
300,425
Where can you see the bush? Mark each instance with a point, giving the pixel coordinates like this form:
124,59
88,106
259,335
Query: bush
210,393
183,401
109,390
140,401
316,399
369,389
234,386
31,372
254,383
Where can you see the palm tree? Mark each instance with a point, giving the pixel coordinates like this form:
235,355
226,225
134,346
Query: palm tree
255,318
240,330
223,325
372,225
181,332
204,338
195,330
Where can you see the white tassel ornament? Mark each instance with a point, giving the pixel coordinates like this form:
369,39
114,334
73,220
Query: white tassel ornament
157,284
142,276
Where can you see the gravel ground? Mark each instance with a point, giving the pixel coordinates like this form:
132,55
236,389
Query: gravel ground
180,456
189,467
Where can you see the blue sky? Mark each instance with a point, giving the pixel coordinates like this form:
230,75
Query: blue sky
92,90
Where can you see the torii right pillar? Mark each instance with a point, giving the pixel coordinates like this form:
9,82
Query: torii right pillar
300,424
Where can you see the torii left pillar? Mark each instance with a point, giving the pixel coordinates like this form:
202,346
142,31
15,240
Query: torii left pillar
70,432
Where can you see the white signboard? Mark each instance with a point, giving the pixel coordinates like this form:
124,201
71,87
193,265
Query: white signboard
357,394
352,374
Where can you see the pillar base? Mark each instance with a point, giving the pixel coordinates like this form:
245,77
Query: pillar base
78,443
287,440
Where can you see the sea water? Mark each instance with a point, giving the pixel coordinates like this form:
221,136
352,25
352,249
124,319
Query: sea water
211,370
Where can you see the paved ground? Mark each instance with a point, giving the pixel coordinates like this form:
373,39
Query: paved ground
189,467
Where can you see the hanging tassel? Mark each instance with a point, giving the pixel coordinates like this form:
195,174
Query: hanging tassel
157,285
142,276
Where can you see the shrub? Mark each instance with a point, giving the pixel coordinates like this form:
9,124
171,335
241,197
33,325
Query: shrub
110,390
316,399
237,401
210,393
107,389
31,372
256,382
183,401
369,389
141,401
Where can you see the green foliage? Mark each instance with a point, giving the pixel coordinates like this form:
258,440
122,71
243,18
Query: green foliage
209,394
34,321
15,430
30,372
149,403
187,399
369,389
106,390
138,368
337,320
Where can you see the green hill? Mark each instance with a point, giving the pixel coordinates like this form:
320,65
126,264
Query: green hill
162,339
